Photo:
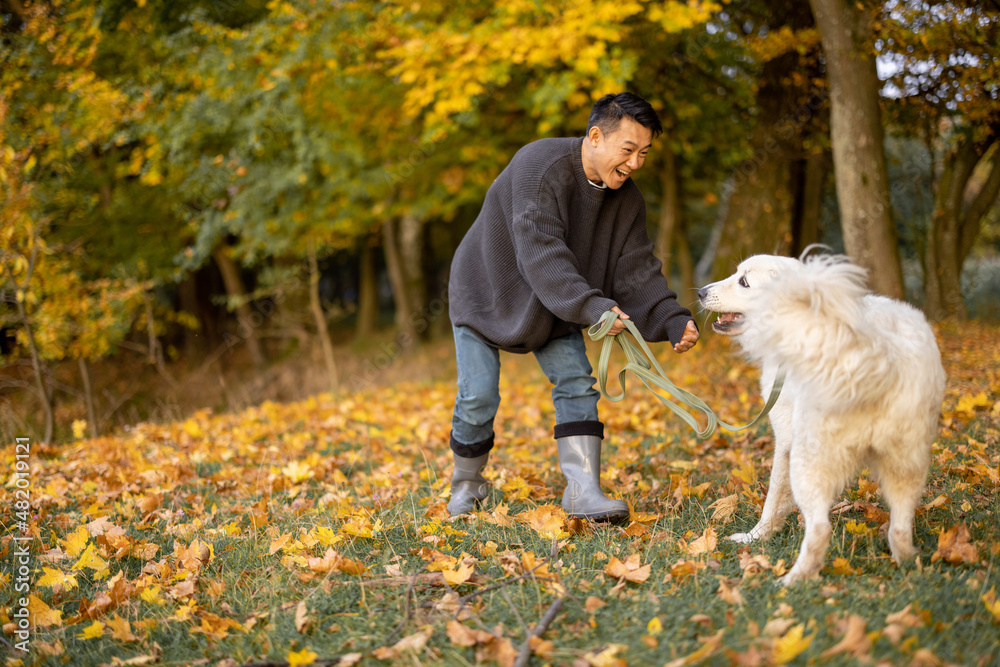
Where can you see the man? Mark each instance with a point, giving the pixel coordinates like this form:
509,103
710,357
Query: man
561,239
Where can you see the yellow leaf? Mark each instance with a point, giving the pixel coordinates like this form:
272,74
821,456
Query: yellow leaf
76,542
992,604
278,543
152,595
79,427
592,604
791,644
606,657
843,566
654,627
56,579
968,403
301,658
41,614
121,629
459,576
92,631
704,544
90,559
297,471
549,521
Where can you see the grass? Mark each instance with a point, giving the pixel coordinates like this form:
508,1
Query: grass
246,506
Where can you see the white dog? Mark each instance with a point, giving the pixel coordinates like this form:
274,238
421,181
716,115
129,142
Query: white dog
863,388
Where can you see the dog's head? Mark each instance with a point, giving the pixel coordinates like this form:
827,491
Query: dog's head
731,298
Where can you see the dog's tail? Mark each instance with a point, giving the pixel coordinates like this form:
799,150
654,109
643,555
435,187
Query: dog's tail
811,322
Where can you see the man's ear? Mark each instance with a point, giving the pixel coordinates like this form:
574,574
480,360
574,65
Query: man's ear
595,136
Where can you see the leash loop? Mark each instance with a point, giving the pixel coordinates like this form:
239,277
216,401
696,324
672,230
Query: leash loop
641,361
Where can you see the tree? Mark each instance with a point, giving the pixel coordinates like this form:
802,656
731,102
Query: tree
945,90
857,142
774,195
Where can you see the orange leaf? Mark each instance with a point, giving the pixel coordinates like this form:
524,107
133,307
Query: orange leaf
954,546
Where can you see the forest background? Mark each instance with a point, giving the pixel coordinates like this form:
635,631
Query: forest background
194,189
225,359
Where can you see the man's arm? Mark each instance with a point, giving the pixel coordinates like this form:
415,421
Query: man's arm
642,292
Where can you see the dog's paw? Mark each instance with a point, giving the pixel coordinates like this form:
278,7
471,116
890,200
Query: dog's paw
742,538
796,575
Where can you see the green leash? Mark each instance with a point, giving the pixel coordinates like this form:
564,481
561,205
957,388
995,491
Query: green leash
642,364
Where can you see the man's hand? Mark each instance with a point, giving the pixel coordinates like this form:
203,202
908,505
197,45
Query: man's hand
618,326
688,340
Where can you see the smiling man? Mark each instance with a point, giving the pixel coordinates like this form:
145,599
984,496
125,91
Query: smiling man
561,239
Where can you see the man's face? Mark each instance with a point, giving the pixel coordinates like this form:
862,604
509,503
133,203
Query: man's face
615,157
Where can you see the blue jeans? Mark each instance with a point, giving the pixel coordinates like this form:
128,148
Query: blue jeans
563,360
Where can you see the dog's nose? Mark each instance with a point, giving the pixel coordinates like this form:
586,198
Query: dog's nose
703,292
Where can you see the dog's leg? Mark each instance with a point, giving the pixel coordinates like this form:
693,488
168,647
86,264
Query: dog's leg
902,491
815,490
779,501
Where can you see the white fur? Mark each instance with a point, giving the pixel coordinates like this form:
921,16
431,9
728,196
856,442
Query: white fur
863,388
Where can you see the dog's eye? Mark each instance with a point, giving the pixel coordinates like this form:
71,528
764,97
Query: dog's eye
743,282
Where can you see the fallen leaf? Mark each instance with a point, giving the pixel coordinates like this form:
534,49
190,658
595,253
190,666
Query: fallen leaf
549,521
302,620
954,546
92,631
412,643
42,615
121,629
841,565
992,604
630,569
704,544
459,576
278,543
301,658
724,508
855,640
787,647
730,594
709,646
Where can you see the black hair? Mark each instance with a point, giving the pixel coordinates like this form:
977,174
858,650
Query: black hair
608,112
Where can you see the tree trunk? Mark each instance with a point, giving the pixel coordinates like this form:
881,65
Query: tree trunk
36,359
36,362
670,211
685,269
195,340
397,276
411,252
954,227
810,204
237,292
322,331
762,210
88,397
856,134
367,292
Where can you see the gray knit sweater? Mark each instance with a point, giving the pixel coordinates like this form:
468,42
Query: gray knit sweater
549,253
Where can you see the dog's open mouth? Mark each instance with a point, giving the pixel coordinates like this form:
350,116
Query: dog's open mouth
727,323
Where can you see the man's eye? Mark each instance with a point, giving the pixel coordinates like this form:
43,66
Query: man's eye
743,282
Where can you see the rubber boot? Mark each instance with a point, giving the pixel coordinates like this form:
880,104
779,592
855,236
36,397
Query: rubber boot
468,486
580,460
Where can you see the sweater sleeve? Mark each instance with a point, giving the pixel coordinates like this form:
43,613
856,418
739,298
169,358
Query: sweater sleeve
547,264
641,290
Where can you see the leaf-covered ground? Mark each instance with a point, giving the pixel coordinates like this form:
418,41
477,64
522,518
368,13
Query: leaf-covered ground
315,532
